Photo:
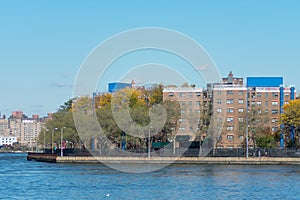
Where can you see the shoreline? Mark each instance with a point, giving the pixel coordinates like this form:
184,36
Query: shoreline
165,160
23,152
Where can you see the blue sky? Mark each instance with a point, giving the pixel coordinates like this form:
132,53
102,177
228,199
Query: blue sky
43,43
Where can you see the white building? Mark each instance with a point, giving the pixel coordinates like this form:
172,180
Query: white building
7,141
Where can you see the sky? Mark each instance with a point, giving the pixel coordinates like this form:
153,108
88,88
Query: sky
43,44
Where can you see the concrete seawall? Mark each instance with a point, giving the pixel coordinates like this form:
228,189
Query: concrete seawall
183,160
165,160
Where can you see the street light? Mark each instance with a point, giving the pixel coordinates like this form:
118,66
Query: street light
45,139
149,143
52,139
247,124
61,140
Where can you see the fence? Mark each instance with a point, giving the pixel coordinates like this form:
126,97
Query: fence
180,152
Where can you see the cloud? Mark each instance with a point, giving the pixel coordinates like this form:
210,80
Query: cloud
203,67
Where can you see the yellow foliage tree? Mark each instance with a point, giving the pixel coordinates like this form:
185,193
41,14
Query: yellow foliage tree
291,115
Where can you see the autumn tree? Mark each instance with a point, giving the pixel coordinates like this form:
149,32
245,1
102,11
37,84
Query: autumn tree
291,118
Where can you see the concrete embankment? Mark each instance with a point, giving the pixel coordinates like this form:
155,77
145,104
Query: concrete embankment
183,160
42,157
166,160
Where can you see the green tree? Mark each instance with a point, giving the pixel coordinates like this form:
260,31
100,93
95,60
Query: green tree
258,129
62,118
265,139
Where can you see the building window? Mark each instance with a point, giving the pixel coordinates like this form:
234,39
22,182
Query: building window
219,110
266,103
171,94
274,94
274,111
266,94
266,111
190,103
241,101
229,101
182,103
274,103
241,110
229,128
241,137
258,94
274,129
286,94
230,110
229,92
230,137
197,103
241,92
181,128
181,120
241,119
181,94
274,120
191,94
229,119
286,102
258,103
198,111
219,101
198,94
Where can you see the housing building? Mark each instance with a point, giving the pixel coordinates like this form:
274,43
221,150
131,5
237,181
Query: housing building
25,129
256,104
4,131
192,102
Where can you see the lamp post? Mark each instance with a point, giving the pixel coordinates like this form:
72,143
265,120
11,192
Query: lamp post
247,124
149,143
61,140
52,139
45,139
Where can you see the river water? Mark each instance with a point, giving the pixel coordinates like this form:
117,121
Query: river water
22,179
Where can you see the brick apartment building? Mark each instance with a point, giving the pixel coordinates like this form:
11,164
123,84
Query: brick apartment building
229,100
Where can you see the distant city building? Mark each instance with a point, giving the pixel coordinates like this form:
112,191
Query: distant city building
30,131
23,128
4,131
7,141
